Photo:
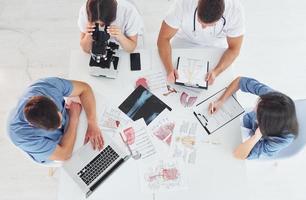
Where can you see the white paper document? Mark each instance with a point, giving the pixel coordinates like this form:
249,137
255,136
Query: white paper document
111,119
139,140
162,175
212,122
184,141
157,82
192,71
162,127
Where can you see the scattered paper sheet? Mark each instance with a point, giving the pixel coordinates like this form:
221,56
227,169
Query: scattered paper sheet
184,141
187,100
162,127
163,175
137,137
112,118
157,82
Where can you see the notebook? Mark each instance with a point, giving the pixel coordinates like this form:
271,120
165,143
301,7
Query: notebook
230,110
192,72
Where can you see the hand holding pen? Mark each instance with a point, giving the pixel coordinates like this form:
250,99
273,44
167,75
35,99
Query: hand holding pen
210,77
214,106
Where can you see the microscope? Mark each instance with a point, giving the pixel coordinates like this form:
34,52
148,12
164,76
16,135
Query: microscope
103,61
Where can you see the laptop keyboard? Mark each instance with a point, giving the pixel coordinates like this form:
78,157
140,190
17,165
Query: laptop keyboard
101,162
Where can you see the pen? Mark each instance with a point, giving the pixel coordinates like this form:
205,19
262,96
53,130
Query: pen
207,69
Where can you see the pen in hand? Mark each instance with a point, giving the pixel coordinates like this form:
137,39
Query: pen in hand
212,108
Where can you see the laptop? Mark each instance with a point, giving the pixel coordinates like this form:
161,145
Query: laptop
89,168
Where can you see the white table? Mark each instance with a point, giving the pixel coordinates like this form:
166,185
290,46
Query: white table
216,174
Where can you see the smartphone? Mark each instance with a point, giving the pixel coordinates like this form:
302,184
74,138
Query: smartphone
135,61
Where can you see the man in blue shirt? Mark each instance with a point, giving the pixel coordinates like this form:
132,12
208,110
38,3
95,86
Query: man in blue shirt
273,124
45,127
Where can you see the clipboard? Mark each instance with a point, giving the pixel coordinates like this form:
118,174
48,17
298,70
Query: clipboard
231,106
194,85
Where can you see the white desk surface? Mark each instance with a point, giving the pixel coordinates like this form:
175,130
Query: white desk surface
216,174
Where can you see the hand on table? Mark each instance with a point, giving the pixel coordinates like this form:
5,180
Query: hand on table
94,135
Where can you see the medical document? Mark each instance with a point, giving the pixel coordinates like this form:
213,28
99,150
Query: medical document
162,175
162,127
137,137
230,110
184,141
157,82
192,72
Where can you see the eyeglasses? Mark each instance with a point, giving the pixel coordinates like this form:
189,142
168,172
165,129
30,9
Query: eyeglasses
217,28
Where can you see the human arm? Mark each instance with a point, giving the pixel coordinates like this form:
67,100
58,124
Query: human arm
93,133
165,50
64,149
244,149
128,43
228,57
265,147
86,38
230,90
245,84
57,88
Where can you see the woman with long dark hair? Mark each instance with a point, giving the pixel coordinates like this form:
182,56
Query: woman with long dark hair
120,16
273,123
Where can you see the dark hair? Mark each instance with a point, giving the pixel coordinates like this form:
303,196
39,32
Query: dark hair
42,112
276,115
103,10
210,11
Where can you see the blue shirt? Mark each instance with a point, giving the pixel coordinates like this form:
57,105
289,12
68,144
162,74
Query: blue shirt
266,146
36,142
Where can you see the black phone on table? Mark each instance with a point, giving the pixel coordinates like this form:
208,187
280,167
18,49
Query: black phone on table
135,61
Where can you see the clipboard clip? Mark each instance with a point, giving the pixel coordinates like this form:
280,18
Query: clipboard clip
203,116
191,85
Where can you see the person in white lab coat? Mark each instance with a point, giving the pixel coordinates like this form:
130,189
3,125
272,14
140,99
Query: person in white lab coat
202,23
123,21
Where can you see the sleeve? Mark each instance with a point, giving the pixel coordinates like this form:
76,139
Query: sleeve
134,24
40,150
61,87
83,19
236,21
252,86
174,15
270,146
